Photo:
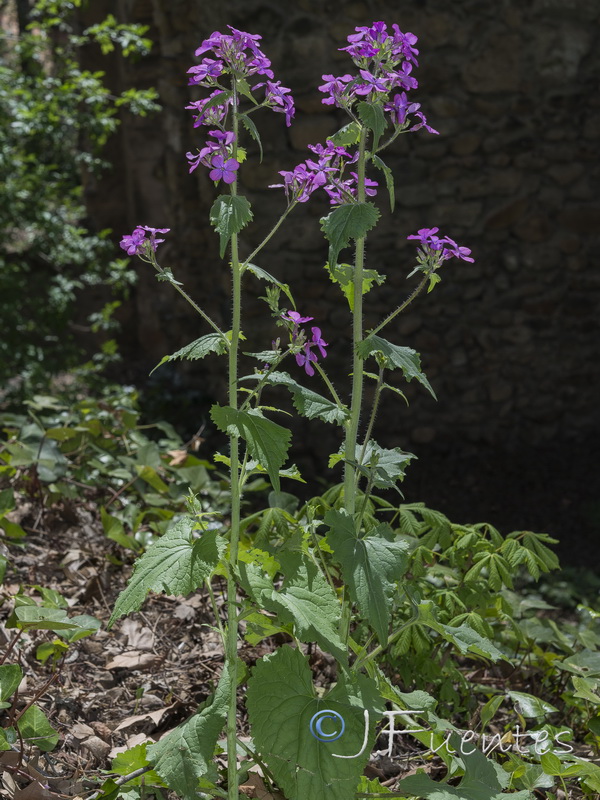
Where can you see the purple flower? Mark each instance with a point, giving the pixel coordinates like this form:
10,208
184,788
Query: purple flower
306,358
275,97
371,84
317,341
443,248
205,73
335,87
295,317
137,244
223,170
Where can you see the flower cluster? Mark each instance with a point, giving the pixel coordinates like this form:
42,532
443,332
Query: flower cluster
139,243
306,357
238,55
385,62
437,249
325,171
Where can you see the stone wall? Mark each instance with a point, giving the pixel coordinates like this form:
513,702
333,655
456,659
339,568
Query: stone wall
509,343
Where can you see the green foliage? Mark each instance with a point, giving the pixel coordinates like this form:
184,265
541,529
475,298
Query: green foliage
348,222
228,215
55,117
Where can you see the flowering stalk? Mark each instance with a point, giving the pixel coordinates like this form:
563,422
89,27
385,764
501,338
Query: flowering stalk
232,615
357,335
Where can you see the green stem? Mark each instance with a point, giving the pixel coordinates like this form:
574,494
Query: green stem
357,335
194,305
401,308
232,612
271,233
328,383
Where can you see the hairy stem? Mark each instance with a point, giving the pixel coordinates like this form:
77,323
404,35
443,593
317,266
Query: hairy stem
357,335
401,307
232,613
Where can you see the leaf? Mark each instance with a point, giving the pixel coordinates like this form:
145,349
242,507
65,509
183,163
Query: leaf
383,466
7,501
463,636
252,130
11,676
372,117
584,688
483,780
389,182
266,276
31,617
131,760
282,701
346,136
183,756
305,598
404,358
530,706
343,274
585,663
267,441
350,221
228,215
488,711
308,403
371,565
176,564
36,730
211,343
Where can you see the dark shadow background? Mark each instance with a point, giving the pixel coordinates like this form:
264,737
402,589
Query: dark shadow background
509,343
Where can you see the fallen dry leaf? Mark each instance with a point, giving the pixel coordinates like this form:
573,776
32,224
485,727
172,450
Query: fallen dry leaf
134,660
154,716
254,787
138,637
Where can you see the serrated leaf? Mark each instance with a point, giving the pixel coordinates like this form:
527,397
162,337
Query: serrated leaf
211,343
177,563
404,358
371,565
346,136
183,756
384,467
253,131
343,274
267,441
350,221
282,701
36,731
372,117
266,276
305,598
389,182
228,215
308,403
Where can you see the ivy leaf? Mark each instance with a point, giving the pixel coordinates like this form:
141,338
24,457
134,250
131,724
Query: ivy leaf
389,182
371,565
183,756
176,564
343,274
267,441
372,117
308,403
228,215
282,701
11,676
305,598
211,343
351,221
403,358
36,731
